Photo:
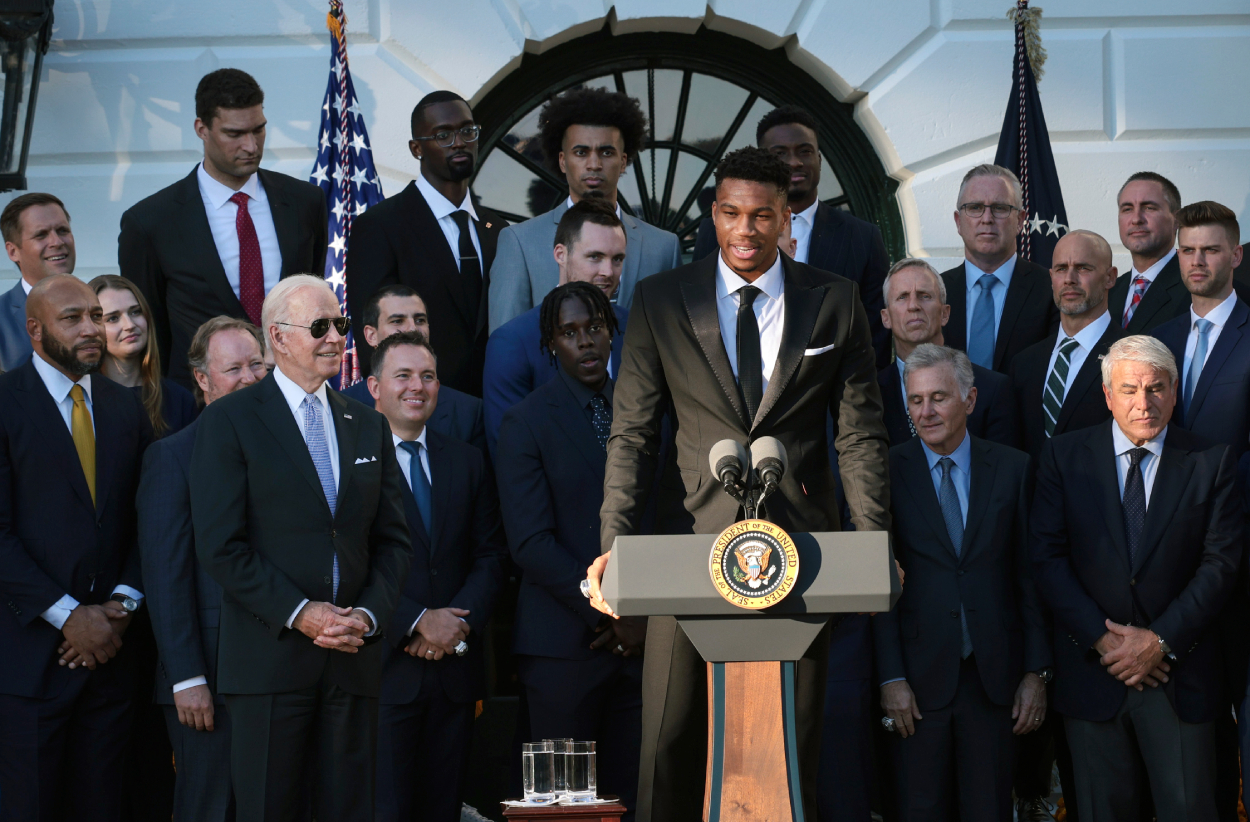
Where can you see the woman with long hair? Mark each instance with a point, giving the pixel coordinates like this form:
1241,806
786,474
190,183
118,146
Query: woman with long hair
132,358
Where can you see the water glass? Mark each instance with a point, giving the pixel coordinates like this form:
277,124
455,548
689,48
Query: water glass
538,771
580,774
560,748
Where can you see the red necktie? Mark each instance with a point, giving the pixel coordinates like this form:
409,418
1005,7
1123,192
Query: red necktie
251,269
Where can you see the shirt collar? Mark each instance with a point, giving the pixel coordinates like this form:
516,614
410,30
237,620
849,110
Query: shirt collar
294,394
581,392
1219,315
568,203
440,205
962,455
26,287
1123,445
1002,273
218,195
807,215
420,438
1088,336
727,281
1153,271
58,384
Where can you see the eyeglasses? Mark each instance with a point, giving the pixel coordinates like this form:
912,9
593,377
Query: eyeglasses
446,139
321,327
999,210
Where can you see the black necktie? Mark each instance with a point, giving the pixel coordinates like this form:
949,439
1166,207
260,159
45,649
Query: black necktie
750,362
470,265
1134,503
601,418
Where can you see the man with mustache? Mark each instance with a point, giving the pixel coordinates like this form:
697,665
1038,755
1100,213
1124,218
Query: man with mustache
40,243
590,136
434,239
70,446
218,240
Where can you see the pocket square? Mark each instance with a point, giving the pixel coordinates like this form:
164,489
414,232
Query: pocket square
811,352
359,460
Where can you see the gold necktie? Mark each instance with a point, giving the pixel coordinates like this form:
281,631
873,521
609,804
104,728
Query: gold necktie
84,436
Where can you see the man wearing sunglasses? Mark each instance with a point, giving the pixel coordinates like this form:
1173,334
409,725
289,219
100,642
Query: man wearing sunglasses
434,239
296,497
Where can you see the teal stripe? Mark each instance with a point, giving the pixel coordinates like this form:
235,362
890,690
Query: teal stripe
718,739
792,742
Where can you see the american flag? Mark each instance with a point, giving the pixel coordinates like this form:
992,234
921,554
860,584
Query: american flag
344,171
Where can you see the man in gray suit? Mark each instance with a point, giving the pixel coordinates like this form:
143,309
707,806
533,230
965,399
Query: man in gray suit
39,241
185,602
590,135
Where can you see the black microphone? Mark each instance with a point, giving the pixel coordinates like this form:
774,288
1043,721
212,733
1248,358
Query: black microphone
729,462
768,458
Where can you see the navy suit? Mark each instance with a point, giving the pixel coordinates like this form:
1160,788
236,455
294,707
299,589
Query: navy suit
185,605
458,415
1029,311
516,364
993,418
425,719
14,341
60,727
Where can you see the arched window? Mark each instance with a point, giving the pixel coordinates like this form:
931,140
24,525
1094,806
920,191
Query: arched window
703,95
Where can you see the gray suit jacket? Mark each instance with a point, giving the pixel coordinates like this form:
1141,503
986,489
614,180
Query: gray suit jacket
14,342
525,269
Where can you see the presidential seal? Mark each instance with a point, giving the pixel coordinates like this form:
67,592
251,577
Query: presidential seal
754,564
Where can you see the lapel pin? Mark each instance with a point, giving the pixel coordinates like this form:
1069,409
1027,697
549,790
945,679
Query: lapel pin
347,416
488,225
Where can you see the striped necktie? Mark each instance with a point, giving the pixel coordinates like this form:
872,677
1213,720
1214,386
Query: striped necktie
1056,384
1140,284
319,450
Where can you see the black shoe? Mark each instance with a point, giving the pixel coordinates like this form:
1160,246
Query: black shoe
1034,810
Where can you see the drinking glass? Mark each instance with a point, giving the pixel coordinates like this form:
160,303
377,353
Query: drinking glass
538,771
560,748
580,774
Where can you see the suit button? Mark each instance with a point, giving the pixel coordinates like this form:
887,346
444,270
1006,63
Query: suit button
334,534
433,572
329,581
961,573
954,615
1133,581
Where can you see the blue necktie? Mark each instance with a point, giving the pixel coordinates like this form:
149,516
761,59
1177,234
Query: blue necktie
1194,372
981,339
420,486
319,450
953,514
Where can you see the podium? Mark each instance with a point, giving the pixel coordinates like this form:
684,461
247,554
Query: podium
752,767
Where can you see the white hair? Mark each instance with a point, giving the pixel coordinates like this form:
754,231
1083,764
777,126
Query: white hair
277,307
912,262
929,355
991,170
1139,348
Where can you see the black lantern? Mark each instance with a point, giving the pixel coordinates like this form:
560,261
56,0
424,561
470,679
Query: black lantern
25,30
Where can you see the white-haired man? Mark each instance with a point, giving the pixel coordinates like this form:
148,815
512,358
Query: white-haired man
1136,536
296,500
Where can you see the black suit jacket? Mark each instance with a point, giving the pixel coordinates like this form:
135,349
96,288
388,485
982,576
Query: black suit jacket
53,540
183,600
264,531
1166,298
460,566
994,418
1029,312
1185,571
845,245
399,241
920,640
1084,404
166,248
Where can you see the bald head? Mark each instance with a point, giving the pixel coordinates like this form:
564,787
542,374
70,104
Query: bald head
1100,247
1081,274
65,324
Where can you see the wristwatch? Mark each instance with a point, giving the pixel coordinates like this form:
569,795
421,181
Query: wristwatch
1046,675
1163,646
128,604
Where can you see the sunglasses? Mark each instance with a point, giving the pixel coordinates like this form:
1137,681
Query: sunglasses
321,327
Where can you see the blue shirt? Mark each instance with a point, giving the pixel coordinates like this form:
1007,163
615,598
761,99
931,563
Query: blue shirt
1003,275
960,472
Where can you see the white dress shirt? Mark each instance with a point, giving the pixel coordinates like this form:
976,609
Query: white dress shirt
1003,274
443,209
801,226
405,465
1149,463
26,287
59,386
1218,317
1086,339
770,312
221,221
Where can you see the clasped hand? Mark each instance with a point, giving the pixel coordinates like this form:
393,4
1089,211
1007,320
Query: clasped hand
93,635
329,626
1133,655
437,633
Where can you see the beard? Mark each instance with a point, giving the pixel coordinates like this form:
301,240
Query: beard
1211,287
1073,309
67,357
460,170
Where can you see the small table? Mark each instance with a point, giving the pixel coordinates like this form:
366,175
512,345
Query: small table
568,813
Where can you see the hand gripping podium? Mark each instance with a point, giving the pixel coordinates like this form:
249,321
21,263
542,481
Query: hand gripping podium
752,769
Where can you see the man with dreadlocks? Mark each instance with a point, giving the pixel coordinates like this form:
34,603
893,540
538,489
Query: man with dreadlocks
589,136
582,671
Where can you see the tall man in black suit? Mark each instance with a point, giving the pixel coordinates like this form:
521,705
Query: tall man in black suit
435,670
1000,302
758,345
915,313
70,444
297,504
218,240
1136,534
582,671
432,237
40,242
826,237
964,655
1152,292
185,602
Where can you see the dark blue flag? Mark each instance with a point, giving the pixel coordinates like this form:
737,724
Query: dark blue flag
1024,147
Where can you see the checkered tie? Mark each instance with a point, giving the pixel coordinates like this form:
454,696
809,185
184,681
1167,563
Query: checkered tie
1140,284
601,418
319,450
953,514
1052,394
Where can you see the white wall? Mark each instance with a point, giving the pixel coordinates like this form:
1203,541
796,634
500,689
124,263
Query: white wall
1154,84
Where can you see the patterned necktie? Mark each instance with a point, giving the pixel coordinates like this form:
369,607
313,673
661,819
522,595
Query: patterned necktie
421,491
470,265
251,268
1134,503
1056,384
750,360
83,433
1140,284
953,514
1194,372
601,419
982,339
319,450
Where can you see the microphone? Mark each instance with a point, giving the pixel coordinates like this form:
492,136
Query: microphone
729,461
768,458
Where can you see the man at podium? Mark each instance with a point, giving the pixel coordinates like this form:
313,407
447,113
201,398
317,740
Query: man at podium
745,343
